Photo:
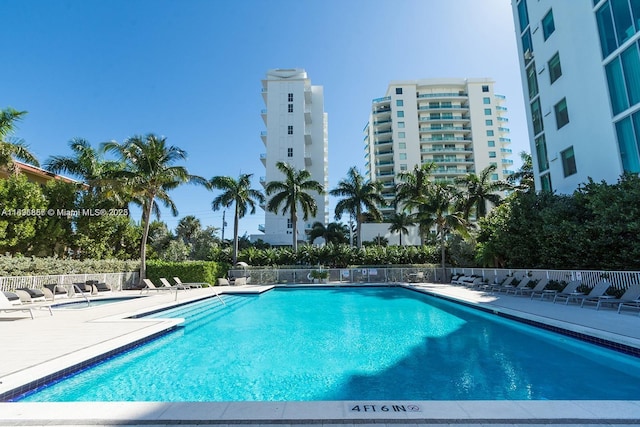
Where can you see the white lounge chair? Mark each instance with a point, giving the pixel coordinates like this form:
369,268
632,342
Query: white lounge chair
149,286
569,288
523,284
191,285
630,295
527,291
7,306
598,290
166,284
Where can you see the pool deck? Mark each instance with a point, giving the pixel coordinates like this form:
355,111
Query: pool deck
34,349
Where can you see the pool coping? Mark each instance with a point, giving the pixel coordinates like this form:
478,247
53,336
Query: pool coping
315,412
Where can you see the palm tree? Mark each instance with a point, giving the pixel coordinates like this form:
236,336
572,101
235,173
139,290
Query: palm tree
13,148
293,192
439,208
334,232
358,193
481,189
148,176
400,223
523,179
87,163
239,192
414,185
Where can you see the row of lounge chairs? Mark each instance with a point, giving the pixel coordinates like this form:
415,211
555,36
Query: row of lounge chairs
596,296
11,302
167,286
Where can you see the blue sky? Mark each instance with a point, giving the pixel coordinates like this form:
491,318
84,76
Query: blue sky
190,70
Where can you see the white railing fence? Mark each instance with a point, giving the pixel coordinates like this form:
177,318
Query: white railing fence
117,281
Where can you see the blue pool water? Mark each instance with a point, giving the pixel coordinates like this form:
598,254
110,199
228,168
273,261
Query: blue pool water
350,344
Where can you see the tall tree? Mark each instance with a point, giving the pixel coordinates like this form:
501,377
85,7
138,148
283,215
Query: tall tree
439,208
480,190
523,179
334,232
400,223
240,193
357,194
148,176
414,185
293,193
86,163
13,148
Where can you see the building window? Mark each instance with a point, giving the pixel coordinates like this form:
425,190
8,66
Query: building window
627,142
532,80
401,134
555,70
290,97
403,156
290,108
400,113
289,152
527,47
399,103
616,24
548,26
289,223
523,15
494,176
568,162
402,145
536,117
488,122
491,143
631,69
562,114
617,90
492,154
400,124
541,153
485,88
490,133
289,130
398,91
545,183
486,100
403,167
607,33
487,111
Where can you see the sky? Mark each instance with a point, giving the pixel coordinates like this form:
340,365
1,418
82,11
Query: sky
191,71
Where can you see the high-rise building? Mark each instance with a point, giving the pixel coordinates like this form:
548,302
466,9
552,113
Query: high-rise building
459,124
296,134
580,68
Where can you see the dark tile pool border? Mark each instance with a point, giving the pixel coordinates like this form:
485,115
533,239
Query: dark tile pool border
601,342
33,386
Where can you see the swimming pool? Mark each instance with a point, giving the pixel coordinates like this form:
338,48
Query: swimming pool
351,344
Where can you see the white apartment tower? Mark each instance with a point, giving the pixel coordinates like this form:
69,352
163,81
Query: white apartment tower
296,134
459,124
580,69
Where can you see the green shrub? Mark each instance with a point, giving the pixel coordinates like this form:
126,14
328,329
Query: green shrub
33,266
187,271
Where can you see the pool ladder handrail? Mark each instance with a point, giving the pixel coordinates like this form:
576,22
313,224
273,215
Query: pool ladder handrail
220,298
86,298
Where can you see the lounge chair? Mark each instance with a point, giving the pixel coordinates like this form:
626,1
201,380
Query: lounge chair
222,281
166,284
240,281
416,277
8,306
30,294
149,286
191,285
630,295
507,282
569,288
98,287
527,291
13,298
598,290
524,284
54,291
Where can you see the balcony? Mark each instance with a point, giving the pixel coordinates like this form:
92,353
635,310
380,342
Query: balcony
307,159
384,142
264,94
446,150
384,99
307,95
263,135
446,129
506,150
388,173
442,107
381,122
263,181
501,129
263,113
307,116
455,138
445,119
451,171
501,108
385,163
307,137
386,153
261,228
507,140
444,95
507,161
263,158
382,132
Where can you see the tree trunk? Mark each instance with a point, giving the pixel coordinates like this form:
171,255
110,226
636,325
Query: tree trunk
235,236
442,256
294,224
146,217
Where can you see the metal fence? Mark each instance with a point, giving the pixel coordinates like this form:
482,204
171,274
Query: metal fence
117,281
620,280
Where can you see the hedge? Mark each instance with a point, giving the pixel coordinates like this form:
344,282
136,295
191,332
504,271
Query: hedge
187,271
34,266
